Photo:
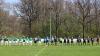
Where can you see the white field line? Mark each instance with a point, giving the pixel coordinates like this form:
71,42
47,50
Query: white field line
39,52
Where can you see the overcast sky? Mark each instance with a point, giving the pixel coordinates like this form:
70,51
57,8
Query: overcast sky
12,1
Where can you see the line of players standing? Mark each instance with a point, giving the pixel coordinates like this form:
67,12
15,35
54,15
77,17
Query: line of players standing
70,41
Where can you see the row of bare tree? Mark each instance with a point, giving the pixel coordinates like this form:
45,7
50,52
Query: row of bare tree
68,18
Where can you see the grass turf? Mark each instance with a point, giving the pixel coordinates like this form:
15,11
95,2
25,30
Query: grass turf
49,50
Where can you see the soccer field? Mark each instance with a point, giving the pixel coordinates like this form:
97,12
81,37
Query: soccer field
49,50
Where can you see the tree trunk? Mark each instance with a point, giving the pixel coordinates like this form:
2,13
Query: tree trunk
30,29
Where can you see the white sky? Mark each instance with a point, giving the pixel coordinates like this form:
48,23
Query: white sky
12,1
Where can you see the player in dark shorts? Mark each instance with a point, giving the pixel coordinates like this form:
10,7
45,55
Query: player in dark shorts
0,40
52,40
97,40
92,40
59,40
47,41
5,39
88,41
55,41
72,41
78,41
23,40
64,41
35,41
84,41
67,40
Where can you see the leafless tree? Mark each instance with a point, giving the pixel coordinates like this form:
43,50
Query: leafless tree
29,12
84,7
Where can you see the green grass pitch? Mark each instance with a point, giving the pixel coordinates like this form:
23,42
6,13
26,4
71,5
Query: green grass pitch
49,50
